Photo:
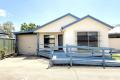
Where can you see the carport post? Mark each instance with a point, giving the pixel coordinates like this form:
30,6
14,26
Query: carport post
37,43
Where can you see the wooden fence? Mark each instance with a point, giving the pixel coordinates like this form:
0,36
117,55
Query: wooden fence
8,45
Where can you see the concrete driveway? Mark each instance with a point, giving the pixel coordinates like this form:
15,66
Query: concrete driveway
34,68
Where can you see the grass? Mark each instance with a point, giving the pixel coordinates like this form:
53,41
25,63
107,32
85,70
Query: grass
116,56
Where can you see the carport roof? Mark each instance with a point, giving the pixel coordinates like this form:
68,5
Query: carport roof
115,30
25,32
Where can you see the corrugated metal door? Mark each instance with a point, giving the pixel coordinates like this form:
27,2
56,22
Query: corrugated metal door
27,44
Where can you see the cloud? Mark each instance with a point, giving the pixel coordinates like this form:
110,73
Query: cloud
2,13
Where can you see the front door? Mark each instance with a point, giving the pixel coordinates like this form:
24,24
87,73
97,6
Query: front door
60,41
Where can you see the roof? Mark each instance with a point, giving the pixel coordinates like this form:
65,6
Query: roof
25,32
64,27
87,17
114,35
2,32
69,14
115,30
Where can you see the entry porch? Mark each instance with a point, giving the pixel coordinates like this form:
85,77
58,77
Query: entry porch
47,40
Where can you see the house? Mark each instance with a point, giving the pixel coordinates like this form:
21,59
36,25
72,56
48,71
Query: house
3,34
114,37
66,30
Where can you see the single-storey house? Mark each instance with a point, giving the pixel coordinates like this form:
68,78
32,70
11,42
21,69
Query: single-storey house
3,34
66,30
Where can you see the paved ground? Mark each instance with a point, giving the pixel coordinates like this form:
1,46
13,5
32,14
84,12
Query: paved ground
33,68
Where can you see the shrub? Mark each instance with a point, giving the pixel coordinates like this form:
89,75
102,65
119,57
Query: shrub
2,54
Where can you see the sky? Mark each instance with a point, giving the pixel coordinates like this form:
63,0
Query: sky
43,11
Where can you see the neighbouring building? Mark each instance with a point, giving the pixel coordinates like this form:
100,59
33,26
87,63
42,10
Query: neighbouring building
3,34
114,37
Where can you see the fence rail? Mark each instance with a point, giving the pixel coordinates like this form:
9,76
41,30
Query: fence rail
8,45
103,57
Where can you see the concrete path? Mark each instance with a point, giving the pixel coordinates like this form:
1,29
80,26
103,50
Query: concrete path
34,68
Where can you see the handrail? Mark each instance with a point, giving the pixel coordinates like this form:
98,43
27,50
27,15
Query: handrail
91,48
84,47
68,49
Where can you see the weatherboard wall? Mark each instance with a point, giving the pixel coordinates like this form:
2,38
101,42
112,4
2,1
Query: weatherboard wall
114,43
86,25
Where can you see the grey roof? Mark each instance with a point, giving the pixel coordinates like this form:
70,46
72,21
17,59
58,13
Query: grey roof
86,17
38,27
115,35
25,32
115,30
64,27
2,32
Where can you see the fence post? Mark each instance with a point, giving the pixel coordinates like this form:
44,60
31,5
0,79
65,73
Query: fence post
70,53
103,56
110,53
66,49
92,52
11,46
4,43
14,45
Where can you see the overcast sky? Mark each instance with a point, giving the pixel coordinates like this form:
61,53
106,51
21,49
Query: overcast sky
43,11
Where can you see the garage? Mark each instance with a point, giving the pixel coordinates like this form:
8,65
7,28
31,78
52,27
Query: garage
26,44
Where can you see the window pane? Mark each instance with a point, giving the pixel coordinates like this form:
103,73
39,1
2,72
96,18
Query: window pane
93,39
82,39
49,41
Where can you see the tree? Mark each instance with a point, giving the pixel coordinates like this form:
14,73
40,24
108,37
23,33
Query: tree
24,27
8,28
27,27
32,26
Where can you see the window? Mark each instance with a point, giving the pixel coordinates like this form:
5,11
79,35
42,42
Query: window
87,39
114,35
49,41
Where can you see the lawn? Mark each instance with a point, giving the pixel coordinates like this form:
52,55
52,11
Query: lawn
116,56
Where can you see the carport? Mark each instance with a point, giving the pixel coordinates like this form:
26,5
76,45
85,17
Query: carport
26,43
